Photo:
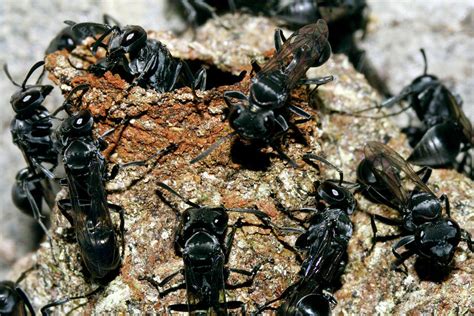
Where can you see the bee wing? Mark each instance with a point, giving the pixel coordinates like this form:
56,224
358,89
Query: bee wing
85,29
214,302
461,118
300,51
388,166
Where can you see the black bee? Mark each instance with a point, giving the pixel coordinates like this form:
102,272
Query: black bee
344,19
203,242
13,300
261,117
146,61
87,208
198,11
324,242
445,131
426,232
31,131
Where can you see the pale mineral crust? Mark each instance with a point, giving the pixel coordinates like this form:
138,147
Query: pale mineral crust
236,175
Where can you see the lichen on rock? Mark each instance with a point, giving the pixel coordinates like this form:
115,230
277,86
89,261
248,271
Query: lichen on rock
237,175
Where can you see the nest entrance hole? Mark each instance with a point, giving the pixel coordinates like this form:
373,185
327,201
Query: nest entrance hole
215,76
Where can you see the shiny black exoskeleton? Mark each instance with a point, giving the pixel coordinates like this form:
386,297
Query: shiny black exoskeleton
154,66
324,243
384,176
203,242
344,19
146,61
198,11
445,130
31,131
67,39
259,116
262,116
129,39
13,300
87,208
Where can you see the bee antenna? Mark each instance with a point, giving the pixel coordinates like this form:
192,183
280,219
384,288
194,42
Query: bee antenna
5,68
32,70
219,142
425,70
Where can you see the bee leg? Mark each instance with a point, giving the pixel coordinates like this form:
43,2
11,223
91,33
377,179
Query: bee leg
118,209
317,81
425,174
299,111
387,221
466,236
116,168
166,280
25,299
283,295
149,65
288,212
200,80
279,38
252,273
182,308
229,95
188,79
65,208
45,308
447,207
255,66
403,256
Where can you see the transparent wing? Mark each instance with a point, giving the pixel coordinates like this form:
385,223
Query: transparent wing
461,118
301,50
389,167
83,30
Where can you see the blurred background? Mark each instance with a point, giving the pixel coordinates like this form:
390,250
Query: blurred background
396,32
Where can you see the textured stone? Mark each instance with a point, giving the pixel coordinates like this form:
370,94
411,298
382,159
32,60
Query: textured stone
234,176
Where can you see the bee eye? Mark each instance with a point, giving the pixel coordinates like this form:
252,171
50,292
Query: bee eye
268,122
79,122
132,37
67,42
235,113
70,41
129,38
29,98
219,221
335,194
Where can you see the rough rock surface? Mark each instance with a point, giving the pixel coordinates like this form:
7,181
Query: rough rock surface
235,175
